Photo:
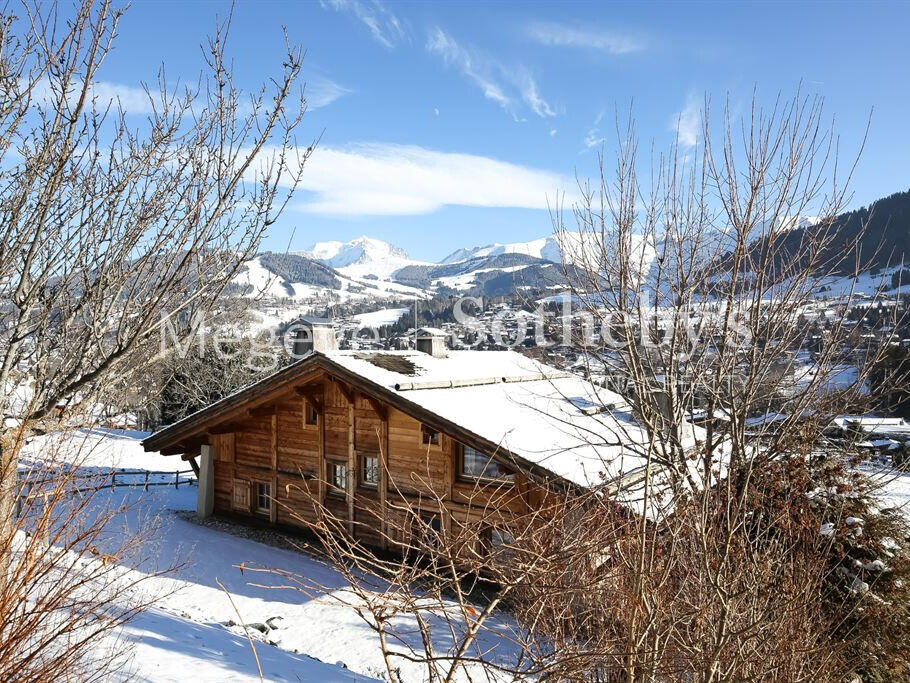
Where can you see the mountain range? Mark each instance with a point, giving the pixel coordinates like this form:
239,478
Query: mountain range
365,267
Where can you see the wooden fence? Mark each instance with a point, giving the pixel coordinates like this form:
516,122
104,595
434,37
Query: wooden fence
109,480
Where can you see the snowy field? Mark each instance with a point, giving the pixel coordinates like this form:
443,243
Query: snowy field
190,633
192,630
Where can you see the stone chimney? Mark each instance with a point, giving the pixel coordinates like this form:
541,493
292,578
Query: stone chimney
314,334
432,341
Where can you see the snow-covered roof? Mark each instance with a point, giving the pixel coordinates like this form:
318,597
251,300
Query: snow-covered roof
528,408
870,423
560,422
431,332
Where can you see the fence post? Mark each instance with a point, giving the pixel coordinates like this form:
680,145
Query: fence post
146,480
176,480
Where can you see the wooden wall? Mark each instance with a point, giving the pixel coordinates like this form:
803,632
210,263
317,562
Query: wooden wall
276,446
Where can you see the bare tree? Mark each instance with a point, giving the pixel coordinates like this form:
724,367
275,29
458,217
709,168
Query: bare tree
733,554
112,230
696,281
116,226
68,584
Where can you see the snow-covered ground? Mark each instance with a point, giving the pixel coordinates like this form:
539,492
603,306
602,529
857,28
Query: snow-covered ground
190,632
386,316
894,488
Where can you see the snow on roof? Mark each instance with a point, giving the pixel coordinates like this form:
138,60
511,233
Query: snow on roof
870,422
527,408
431,332
766,419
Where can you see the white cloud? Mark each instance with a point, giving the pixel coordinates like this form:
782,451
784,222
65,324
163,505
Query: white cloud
562,35
321,92
552,132
686,124
389,179
532,98
384,26
131,99
504,85
593,137
475,69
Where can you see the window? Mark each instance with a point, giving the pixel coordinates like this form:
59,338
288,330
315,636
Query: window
431,522
477,465
500,538
310,417
496,542
427,530
263,497
338,476
429,436
370,473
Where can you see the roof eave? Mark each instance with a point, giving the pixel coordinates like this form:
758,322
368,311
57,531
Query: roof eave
173,434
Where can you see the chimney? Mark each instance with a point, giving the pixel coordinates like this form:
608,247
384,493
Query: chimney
432,341
314,334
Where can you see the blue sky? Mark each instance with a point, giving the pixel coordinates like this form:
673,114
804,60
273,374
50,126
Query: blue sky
448,125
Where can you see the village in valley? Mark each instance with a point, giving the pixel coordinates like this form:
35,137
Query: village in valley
372,341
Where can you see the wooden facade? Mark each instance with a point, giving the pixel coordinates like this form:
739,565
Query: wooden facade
318,441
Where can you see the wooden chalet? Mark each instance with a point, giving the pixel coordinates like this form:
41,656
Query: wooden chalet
351,430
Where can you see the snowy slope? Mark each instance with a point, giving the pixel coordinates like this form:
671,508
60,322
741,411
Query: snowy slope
262,281
192,632
386,316
258,280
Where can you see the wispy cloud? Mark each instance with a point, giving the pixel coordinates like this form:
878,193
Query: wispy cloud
103,94
502,84
686,124
321,92
385,27
593,137
475,69
531,95
388,179
563,35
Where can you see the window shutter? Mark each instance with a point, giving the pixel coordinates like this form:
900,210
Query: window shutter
241,500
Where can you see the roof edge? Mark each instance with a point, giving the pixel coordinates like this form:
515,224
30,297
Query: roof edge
150,443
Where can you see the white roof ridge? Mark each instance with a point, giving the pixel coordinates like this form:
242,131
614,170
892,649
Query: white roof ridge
480,381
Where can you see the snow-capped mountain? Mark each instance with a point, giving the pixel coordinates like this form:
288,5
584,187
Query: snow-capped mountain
361,257
796,222
546,248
